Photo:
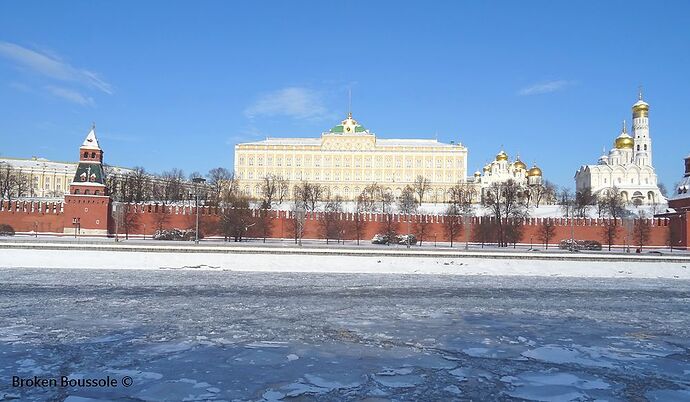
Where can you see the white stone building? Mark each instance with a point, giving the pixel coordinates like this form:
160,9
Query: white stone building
628,166
347,158
502,169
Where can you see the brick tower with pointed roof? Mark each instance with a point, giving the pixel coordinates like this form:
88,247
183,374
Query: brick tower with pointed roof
87,206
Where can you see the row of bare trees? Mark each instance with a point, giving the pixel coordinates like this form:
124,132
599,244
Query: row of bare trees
13,184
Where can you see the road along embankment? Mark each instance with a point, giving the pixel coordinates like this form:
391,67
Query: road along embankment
333,260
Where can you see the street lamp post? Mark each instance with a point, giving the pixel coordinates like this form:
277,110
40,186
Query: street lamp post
197,181
75,222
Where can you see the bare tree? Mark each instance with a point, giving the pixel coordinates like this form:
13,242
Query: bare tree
358,222
7,177
161,218
583,201
220,180
642,231
452,222
386,201
235,216
566,201
421,227
269,190
369,197
514,230
264,223
126,217
407,204
170,187
505,200
546,232
610,231
484,232
612,203
461,195
331,223
283,189
388,225
421,187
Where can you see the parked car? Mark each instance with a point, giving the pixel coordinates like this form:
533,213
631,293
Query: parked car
403,239
380,239
174,234
577,245
6,230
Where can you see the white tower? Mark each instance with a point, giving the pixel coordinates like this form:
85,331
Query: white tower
643,144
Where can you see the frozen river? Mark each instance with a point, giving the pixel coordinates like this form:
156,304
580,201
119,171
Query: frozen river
219,335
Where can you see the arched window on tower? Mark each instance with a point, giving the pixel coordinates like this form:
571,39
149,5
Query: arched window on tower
86,154
645,147
638,147
93,155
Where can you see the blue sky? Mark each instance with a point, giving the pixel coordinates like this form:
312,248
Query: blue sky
177,84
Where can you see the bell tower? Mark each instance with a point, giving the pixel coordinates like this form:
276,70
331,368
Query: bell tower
640,126
87,206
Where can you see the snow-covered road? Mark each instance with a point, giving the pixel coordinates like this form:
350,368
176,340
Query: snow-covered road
221,335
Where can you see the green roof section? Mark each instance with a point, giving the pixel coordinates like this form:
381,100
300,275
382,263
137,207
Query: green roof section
338,129
92,173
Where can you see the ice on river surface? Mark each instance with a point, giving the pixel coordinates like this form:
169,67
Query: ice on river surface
218,335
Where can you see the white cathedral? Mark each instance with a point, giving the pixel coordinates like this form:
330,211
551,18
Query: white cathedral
628,166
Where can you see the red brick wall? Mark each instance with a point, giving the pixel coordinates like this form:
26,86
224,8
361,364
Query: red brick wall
23,216
27,216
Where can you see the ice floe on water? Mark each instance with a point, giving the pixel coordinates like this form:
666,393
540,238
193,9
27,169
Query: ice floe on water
203,335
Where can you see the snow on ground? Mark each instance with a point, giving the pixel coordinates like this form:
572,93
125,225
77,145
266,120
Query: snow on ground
223,335
363,261
543,211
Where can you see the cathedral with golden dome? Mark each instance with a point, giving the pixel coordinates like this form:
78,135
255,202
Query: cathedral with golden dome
501,169
628,165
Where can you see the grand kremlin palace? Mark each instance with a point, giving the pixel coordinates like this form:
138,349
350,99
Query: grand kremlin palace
347,158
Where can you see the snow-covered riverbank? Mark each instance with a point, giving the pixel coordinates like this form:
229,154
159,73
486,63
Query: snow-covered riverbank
355,261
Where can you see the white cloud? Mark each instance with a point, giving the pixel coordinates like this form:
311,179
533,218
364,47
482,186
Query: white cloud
295,102
545,87
52,66
70,95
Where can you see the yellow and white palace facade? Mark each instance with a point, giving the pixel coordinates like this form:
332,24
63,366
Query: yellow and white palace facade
347,158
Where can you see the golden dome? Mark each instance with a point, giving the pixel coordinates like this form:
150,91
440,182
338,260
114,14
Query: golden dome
535,171
640,105
640,108
487,168
502,156
624,141
477,173
519,164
